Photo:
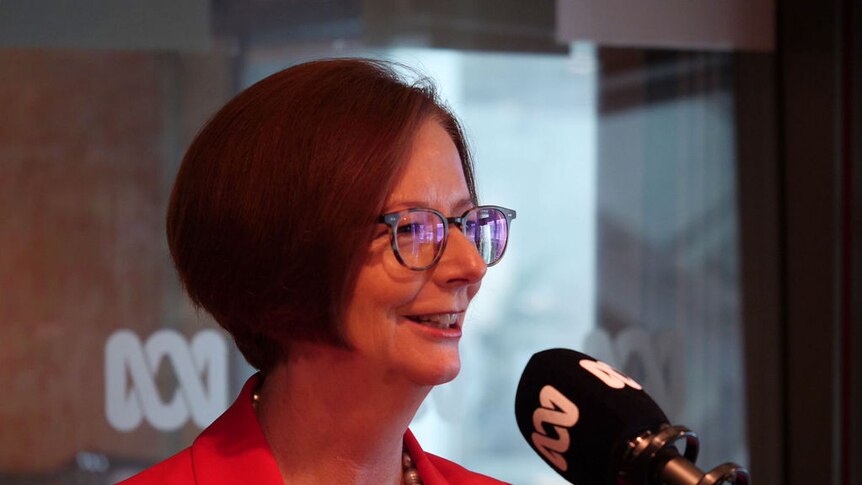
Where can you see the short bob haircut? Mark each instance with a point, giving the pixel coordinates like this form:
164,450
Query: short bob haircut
278,195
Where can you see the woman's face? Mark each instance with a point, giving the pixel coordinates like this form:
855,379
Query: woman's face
397,318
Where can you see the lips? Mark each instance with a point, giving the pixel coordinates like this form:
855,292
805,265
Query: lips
436,320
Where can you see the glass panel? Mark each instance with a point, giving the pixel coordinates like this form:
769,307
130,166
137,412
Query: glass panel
620,164
650,176
667,254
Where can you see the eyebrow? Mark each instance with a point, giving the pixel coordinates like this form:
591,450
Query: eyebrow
465,203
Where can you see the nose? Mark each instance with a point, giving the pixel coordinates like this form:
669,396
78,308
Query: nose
460,264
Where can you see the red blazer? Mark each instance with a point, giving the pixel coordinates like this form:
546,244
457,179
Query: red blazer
233,450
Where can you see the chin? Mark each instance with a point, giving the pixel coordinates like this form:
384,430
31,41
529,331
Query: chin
441,373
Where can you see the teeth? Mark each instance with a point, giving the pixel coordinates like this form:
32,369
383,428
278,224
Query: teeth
442,320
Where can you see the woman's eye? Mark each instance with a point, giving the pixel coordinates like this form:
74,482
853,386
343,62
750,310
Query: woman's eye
409,228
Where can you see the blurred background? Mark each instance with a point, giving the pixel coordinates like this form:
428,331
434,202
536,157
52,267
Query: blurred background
686,176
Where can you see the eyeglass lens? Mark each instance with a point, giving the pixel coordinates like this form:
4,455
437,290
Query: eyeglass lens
420,235
489,231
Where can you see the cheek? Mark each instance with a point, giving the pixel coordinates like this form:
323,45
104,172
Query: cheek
388,295
374,309
383,284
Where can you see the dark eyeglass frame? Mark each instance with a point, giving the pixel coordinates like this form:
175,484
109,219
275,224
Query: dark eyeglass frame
393,218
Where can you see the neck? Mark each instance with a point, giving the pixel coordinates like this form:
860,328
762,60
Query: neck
331,416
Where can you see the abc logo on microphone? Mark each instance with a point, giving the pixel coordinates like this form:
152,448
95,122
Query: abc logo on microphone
577,413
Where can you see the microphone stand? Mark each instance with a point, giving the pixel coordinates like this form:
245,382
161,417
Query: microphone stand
652,459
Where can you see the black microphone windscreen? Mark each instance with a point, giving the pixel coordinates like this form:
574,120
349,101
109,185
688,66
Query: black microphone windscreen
579,414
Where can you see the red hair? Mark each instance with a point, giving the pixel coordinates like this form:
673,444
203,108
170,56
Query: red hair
279,192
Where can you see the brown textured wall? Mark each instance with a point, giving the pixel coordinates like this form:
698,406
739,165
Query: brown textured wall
89,142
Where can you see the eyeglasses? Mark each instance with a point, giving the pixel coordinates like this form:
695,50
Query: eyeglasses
419,235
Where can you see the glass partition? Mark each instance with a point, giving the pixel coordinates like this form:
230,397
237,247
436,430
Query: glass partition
620,163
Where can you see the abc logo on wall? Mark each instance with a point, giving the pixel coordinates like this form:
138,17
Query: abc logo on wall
131,393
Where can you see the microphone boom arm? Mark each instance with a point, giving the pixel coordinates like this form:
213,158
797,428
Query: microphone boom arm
651,459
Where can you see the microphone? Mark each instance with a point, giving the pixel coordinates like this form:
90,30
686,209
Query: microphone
596,426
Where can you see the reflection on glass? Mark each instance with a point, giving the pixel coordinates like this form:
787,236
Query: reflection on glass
619,164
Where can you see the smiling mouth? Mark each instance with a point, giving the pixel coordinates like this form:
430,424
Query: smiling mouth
439,320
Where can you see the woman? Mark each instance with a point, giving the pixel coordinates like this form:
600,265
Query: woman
327,218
